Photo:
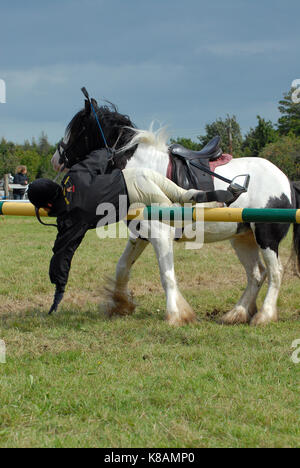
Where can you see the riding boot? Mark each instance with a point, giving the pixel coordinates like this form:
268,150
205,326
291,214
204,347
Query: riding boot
223,196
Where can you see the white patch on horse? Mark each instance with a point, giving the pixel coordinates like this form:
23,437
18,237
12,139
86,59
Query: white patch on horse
262,182
247,251
56,157
269,313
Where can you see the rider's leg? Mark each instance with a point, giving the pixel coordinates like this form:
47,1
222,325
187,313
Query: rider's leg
147,187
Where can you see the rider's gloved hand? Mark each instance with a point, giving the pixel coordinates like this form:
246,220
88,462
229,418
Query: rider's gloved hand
223,196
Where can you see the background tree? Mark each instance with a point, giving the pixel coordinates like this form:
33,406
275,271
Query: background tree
285,154
290,120
36,156
43,146
187,143
257,138
29,158
8,158
223,128
45,169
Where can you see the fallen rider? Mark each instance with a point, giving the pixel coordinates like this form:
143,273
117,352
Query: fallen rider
88,185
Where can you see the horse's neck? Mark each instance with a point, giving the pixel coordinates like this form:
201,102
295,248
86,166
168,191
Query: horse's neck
149,157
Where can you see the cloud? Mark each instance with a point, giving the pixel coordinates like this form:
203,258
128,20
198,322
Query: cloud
255,47
46,98
106,76
28,79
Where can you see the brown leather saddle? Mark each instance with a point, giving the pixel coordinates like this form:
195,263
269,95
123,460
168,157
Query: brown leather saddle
187,165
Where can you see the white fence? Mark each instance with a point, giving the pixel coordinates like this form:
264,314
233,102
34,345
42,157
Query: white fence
11,187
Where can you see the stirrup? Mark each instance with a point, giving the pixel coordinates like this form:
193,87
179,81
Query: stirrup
236,189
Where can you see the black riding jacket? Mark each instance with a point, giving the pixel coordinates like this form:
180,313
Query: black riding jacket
87,184
20,179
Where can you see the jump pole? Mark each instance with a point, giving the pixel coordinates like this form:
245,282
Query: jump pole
225,215
19,208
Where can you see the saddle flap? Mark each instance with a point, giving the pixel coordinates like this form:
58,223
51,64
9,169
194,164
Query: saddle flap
188,176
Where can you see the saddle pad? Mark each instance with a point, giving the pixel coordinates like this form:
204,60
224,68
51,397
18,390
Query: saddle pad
221,161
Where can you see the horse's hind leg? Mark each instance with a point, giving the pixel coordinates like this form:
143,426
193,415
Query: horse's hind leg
119,301
247,251
268,237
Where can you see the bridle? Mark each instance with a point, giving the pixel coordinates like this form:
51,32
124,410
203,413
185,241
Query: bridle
64,148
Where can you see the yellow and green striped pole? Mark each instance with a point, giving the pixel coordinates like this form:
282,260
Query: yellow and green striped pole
225,215
10,208
229,215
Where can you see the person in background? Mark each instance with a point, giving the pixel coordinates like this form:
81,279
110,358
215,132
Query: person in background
20,179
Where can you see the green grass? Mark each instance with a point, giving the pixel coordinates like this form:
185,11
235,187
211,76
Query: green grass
79,380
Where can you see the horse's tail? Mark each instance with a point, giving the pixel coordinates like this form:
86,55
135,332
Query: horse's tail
296,239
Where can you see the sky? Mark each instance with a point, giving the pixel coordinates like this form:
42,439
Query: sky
180,63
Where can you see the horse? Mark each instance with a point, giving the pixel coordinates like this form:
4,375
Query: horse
255,244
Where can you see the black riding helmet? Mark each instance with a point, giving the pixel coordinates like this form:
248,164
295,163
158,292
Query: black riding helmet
44,193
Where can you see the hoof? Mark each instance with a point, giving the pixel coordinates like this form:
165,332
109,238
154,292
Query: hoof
184,314
179,321
117,302
236,316
262,318
120,305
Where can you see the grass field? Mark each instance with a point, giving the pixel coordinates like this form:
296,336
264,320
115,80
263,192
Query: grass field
78,379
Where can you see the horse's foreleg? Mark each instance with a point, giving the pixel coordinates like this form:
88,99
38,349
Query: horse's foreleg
247,251
179,312
119,300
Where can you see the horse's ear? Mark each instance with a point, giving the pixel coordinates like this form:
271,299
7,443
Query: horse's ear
95,103
87,107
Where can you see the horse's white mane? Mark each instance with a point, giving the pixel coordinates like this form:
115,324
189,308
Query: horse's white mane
157,138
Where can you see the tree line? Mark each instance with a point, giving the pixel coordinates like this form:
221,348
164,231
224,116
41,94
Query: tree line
36,156
279,142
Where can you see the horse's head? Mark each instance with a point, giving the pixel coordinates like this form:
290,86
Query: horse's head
83,135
